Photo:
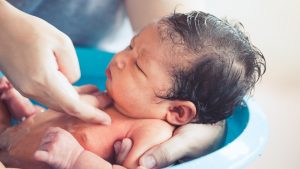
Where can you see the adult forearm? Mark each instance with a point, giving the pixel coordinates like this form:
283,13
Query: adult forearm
6,11
41,62
2,2
7,15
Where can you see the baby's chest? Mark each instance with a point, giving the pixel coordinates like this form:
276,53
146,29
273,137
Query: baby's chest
99,139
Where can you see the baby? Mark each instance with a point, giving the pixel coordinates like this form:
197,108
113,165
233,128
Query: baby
185,68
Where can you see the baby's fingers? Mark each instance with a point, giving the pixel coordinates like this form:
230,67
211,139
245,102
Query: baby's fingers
49,136
46,145
86,89
41,155
104,99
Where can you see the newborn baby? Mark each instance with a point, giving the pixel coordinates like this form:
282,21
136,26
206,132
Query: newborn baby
185,68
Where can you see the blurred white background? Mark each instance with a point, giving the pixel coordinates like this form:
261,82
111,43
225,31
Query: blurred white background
274,27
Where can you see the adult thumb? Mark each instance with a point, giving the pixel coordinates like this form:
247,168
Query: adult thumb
163,154
67,60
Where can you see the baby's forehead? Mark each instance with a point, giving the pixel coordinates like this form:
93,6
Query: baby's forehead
155,42
151,42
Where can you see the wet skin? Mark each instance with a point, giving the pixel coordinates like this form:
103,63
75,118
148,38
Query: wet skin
18,143
137,77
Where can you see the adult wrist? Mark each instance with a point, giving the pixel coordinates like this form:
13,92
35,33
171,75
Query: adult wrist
3,11
2,2
7,12
4,7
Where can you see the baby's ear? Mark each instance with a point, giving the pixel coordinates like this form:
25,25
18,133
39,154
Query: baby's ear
181,112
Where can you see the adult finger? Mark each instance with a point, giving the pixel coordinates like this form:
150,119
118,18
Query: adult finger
124,149
117,147
162,155
67,59
67,99
18,105
188,143
39,109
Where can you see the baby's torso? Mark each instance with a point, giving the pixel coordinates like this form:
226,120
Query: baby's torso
17,144
99,139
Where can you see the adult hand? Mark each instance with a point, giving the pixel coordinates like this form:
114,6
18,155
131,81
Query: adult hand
122,148
17,105
2,166
40,61
188,141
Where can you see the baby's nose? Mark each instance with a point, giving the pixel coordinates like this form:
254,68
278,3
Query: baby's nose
121,64
120,61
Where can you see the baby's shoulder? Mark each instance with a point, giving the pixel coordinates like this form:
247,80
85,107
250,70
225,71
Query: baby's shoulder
151,127
145,134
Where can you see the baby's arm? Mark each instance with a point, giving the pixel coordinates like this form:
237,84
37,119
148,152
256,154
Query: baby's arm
90,160
61,150
58,148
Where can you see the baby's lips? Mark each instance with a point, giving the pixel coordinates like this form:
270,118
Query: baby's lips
108,73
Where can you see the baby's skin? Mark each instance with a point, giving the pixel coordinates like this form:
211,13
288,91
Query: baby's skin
19,143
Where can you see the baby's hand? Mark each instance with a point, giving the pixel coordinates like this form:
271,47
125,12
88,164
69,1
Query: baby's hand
58,148
93,96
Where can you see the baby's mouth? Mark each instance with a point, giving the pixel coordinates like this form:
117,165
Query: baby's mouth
108,73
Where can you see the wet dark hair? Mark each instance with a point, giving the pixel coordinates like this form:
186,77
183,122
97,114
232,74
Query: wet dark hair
218,64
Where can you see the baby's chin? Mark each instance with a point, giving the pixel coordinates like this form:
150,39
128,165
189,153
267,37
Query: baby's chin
121,110
107,88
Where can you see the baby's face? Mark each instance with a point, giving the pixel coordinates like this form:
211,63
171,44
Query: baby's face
139,74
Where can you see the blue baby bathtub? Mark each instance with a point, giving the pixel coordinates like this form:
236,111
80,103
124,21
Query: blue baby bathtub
247,129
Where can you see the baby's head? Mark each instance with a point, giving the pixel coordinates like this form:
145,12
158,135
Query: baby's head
185,68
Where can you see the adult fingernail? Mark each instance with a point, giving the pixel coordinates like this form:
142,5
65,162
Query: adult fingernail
117,147
149,162
105,120
101,117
